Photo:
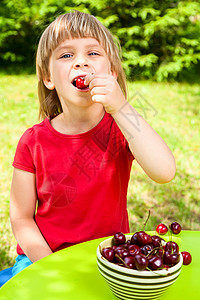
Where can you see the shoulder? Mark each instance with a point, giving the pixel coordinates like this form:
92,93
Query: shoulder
24,155
31,133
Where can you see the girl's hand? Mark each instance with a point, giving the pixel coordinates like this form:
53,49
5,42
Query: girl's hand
105,89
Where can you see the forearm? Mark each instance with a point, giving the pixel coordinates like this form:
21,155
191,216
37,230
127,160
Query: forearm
23,199
30,238
148,148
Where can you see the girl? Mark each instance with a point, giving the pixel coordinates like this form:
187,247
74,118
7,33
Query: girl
71,171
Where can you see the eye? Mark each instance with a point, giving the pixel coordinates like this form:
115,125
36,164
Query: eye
93,53
67,55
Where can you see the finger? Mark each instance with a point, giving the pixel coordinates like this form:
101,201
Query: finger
98,90
98,98
88,78
99,81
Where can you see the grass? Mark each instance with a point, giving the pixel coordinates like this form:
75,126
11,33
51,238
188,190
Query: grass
172,109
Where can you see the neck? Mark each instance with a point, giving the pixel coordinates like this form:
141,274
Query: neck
78,120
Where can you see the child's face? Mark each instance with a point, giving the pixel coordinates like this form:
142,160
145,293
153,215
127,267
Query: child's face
73,58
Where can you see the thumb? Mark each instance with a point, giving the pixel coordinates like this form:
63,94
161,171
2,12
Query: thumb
88,78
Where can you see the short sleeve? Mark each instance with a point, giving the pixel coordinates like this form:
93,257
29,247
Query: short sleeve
23,158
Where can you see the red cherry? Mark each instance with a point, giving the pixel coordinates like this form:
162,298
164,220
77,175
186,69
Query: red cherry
134,250
171,259
80,83
130,261
134,238
175,228
119,238
108,253
146,249
187,257
171,247
121,253
156,241
155,263
141,262
161,229
143,238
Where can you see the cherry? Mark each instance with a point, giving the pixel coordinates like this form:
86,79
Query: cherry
134,250
187,257
171,247
146,249
80,83
143,238
114,247
143,252
108,253
134,238
155,262
129,261
119,238
171,258
156,241
126,245
160,252
121,253
175,228
118,248
161,229
141,262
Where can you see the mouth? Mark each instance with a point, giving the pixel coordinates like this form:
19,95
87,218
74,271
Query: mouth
79,83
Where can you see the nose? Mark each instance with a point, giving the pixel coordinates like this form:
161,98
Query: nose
81,62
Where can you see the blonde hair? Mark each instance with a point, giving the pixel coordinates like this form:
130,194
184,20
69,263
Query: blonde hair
69,26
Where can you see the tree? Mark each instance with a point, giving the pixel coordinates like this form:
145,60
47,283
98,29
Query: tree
159,39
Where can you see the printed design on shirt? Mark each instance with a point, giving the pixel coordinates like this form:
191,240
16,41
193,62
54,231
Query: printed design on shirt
108,134
93,156
59,190
87,160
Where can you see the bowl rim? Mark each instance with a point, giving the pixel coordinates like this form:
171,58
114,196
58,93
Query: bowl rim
163,272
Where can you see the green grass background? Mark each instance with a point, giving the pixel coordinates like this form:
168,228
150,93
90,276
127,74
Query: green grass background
172,109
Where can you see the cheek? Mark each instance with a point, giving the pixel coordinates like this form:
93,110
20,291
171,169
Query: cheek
59,74
106,67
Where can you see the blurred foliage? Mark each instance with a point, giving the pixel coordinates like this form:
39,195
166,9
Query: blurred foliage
160,39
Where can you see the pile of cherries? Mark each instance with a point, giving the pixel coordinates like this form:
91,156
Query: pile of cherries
146,252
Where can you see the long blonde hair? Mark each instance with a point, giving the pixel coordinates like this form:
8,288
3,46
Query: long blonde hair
68,26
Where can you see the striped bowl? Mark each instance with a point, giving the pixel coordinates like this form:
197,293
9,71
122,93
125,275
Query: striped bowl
133,284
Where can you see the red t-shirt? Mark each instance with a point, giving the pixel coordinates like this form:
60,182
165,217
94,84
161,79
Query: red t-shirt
81,181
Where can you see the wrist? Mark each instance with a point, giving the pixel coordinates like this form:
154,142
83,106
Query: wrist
122,109
119,109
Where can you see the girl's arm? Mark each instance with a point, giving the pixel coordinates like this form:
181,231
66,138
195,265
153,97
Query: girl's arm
148,148
22,210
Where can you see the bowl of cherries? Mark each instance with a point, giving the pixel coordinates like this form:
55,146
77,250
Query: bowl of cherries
142,265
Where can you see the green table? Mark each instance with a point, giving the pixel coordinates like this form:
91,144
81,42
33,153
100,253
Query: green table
72,274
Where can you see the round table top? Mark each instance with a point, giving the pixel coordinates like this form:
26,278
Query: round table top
72,274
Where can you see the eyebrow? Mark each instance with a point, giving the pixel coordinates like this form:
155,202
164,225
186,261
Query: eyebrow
66,47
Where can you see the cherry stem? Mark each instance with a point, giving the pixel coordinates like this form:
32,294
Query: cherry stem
152,251
147,219
116,255
154,272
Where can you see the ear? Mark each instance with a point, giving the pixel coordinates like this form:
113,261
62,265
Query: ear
114,74
49,83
